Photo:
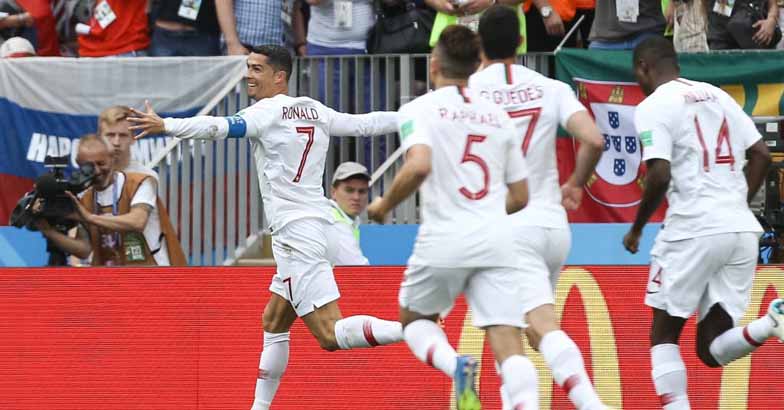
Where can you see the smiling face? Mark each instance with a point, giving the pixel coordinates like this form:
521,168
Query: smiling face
262,78
98,153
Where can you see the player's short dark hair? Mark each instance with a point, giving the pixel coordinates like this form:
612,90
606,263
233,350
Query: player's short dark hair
278,57
458,52
499,30
656,51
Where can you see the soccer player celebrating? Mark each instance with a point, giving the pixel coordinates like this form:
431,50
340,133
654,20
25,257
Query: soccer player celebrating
290,137
464,153
695,141
537,105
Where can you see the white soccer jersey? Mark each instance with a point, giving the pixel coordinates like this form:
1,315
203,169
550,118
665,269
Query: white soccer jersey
475,153
704,135
290,137
537,105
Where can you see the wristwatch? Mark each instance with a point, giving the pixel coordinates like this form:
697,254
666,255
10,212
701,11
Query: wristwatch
546,11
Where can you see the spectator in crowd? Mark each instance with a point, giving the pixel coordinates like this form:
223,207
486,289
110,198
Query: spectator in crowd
294,31
115,216
247,23
687,18
46,40
467,12
117,28
722,37
15,21
185,28
621,25
587,9
350,186
114,127
16,47
339,27
546,23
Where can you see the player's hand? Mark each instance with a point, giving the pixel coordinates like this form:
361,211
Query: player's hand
764,33
149,123
472,7
554,25
82,214
377,211
571,196
631,241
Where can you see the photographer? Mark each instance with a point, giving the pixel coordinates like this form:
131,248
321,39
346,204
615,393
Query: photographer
115,214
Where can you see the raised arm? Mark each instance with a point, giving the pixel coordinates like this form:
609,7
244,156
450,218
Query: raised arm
359,125
201,127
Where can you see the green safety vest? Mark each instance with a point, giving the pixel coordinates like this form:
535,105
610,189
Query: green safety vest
341,217
444,20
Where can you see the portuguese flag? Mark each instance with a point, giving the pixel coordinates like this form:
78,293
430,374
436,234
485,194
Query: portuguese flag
604,83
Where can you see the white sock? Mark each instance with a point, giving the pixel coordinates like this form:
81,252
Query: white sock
506,401
761,329
740,341
669,376
366,331
565,360
274,359
429,344
520,382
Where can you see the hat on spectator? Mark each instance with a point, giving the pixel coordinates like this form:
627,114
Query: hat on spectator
16,47
350,169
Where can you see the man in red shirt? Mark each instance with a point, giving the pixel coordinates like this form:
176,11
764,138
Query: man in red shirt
117,28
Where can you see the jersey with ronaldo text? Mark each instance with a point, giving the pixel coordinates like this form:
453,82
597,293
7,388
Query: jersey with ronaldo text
290,139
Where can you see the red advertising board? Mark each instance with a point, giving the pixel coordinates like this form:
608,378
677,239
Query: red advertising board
191,338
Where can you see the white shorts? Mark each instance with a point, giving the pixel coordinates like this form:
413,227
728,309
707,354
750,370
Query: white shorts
495,295
543,252
304,276
695,274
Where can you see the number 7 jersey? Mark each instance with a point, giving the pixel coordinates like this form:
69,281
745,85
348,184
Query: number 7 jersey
703,133
537,105
474,155
290,137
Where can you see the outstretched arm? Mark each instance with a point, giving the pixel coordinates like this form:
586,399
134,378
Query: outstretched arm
358,125
201,127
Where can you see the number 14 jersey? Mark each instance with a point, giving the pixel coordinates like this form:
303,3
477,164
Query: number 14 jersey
704,135
475,153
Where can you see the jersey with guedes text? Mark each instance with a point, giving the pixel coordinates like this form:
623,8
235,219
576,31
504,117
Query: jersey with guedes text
704,135
537,106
